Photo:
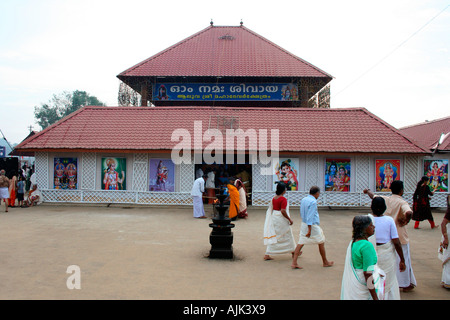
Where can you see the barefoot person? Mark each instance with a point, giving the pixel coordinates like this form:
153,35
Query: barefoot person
278,235
399,210
310,230
4,188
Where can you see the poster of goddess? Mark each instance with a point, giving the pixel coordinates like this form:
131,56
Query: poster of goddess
286,171
162,175
65,173
386,172
437,171
114,173
337,175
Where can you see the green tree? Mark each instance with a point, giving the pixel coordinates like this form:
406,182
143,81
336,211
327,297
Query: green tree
61,105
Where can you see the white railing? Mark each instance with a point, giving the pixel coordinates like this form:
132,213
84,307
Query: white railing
342,199
326,199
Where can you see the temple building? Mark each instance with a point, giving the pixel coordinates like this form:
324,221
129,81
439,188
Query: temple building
230,100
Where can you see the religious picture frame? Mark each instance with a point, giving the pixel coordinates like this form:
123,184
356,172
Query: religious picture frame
65,175
114,173
337,174
387,171
286,170
161,175
437,171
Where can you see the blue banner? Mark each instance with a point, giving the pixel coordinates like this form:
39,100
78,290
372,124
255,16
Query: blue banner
225,92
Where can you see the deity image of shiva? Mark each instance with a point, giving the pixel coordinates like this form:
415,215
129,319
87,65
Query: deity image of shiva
288,175
111,178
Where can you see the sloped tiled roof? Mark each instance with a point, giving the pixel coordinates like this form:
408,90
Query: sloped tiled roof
427,134
132,129
222,51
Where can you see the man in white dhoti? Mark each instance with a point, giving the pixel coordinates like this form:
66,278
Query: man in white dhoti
387,243
310,230
197,197
399,210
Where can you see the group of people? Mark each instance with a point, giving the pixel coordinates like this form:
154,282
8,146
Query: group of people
15,189
378,260
204,187
278,236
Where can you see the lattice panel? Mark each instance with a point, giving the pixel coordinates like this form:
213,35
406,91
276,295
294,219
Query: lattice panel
411,173
259,181
342,199
62,195
362,173
439,199
165,198
295,197
312,169
41,168
88,170
140,172
187,176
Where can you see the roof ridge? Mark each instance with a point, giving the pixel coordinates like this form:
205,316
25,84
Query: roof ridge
425,123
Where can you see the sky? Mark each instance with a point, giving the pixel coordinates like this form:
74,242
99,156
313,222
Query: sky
390,57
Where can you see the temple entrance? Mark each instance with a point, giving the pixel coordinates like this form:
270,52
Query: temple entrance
224,172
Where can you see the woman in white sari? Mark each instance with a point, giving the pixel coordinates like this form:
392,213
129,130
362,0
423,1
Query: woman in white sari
444,253
387,243
242,199
278,236
362,278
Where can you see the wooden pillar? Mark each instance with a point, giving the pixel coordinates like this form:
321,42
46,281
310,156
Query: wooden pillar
144,94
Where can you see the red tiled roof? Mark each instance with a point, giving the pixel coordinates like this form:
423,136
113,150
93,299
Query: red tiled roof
225,51
427,134
143,129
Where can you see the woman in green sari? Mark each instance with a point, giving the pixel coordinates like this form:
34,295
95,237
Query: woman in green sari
362,279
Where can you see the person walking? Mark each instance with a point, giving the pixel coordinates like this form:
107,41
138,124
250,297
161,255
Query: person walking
197,197
444,253
386,245
362,278
20,190
400,211
4,188
242,199
421,203
310,230
278,235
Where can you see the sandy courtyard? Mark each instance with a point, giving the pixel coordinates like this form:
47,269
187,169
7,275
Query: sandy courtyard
161,253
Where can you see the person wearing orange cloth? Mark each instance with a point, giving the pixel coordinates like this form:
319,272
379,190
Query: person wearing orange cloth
234,201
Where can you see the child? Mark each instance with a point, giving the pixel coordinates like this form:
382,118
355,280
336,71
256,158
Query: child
20,191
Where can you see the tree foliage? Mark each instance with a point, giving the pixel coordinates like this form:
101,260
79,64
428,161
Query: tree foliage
63,104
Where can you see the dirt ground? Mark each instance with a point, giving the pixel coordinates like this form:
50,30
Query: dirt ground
131,252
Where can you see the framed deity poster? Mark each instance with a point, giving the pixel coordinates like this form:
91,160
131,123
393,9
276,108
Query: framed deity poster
286,171
162,175
337,174
437,171
114,173
65,173
386,172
